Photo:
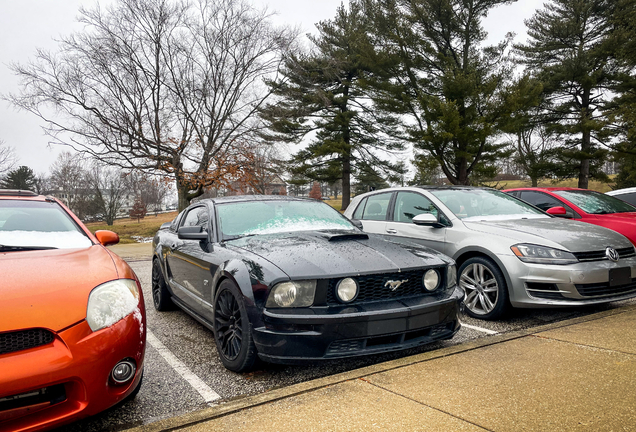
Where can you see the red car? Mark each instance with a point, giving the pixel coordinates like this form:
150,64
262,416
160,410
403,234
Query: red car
583,205
72,317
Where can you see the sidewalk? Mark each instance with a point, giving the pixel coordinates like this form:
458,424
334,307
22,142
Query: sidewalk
133,251
576,375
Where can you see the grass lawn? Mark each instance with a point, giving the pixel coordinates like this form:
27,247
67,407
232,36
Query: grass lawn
573,182
127,228
147,227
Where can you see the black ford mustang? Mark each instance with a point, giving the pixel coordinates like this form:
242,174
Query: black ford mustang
289,280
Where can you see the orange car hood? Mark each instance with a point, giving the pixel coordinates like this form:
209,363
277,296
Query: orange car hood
50,288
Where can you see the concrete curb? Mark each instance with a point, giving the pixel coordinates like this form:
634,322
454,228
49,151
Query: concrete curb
233,406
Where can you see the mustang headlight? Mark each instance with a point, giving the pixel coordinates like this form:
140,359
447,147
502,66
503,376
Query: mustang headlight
292,294
451,276
542,255
110,302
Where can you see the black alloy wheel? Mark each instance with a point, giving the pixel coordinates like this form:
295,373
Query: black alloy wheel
232,329
160,294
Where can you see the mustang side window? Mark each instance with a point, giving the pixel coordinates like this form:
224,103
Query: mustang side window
410,204
377,206
198,216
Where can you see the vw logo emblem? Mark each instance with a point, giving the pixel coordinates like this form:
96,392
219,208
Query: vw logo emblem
611,254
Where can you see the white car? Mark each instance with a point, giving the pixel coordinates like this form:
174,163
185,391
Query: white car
628,195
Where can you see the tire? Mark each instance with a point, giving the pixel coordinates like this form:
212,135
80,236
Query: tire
485,288
160,294
232,329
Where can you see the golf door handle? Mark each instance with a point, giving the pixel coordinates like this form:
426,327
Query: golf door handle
391,231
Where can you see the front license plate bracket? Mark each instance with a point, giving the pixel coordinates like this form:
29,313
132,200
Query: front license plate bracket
620,276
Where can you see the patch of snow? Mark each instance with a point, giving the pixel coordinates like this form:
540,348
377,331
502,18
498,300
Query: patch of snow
56,239
285,224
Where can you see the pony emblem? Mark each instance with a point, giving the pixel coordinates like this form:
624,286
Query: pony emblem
393,285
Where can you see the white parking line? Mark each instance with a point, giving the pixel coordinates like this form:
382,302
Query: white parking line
202,388
491,332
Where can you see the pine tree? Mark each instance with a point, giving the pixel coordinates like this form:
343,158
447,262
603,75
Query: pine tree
323,93
570,51
440,79
21,178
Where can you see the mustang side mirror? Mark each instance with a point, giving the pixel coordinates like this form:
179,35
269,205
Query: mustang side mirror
106,237
558,211
192,233
427,219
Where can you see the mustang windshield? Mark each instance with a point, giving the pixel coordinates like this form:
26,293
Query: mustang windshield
480,203
269,217
596,203
28,225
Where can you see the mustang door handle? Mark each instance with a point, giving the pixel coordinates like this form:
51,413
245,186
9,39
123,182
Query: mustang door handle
391,231
173,246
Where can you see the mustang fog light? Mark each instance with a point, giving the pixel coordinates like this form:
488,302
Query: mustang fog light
431,280
292,294
451,275
123,371
347,290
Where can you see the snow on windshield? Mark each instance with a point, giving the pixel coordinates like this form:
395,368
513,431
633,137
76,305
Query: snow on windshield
59,239
36,224
270,217
286,224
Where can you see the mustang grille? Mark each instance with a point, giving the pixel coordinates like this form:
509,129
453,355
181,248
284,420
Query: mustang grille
600,255
603,289
373,287
25,339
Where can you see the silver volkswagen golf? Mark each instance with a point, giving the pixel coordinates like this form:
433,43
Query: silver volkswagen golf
508,253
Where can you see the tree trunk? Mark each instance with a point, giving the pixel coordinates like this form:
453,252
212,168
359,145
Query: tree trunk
586,142
182,196
462,172
584,173
346,182
535,181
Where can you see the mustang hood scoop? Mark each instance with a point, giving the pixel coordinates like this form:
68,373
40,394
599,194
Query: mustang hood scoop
339,235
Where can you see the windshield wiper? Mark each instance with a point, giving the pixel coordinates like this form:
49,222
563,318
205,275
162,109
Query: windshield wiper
236,237
4,248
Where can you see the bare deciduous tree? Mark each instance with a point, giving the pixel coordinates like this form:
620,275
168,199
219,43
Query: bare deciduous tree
69,175
159,85
109,186
152,189
7,158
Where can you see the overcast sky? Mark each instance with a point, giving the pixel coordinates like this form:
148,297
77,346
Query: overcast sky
29,24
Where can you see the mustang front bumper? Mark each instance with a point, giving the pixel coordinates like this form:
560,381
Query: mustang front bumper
320,333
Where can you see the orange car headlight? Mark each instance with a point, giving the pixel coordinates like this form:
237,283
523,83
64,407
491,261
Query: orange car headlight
110,302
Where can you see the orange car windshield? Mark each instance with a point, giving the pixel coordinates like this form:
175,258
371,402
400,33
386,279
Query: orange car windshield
28,225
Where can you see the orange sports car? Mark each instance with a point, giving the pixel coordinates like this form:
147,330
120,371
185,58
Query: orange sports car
72,317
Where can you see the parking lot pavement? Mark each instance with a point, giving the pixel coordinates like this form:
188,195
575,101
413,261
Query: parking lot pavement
558,377
183,374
